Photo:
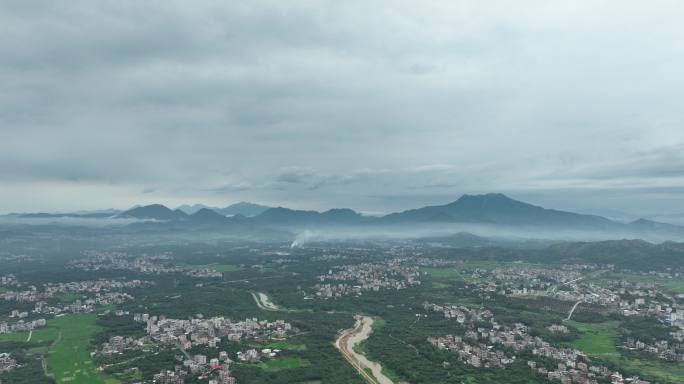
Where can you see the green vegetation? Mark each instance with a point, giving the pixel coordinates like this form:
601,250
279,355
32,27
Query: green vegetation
283,345
69,359
661,370
284,363
391,375
671,285
400,331
68,297
378,324
443,273
440,285
216,267
596,339
447,275
48,333
224,267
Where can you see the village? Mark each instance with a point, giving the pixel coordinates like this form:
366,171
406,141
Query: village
629,299
198,331
358,278
100,293
479,347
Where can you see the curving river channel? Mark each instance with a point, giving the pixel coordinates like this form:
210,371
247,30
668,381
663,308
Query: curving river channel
346,342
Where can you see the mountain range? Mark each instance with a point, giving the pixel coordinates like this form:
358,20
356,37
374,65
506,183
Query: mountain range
242,208
492,211
489,213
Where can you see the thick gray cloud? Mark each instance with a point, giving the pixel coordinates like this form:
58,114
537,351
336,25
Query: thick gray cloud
373,105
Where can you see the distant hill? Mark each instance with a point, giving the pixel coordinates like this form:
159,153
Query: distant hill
93,215
190,209
284,216
341,216
460,239
636,254
469,240
208,216
499,209
654,225
492,215
243,208
153,212
97,214
672,218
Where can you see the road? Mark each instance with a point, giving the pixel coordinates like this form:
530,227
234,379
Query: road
573,310
263,302
346,342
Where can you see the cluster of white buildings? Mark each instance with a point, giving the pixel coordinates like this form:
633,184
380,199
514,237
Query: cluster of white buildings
478,355
102,260
102,293
49,290
203,273
566,283
149,264
119,344
22,326
215,371
661,348
7,363
9,281
86,305
200,331
358,278
460,313
255,355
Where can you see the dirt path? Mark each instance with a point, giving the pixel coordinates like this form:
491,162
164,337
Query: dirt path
573,310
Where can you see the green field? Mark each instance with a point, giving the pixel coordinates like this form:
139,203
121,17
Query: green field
283,345
225,268
596,339
286,363
659,369
675,286
599,340
48,333
444,273
69,359
671,285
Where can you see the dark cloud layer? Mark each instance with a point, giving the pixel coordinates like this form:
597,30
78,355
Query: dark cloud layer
372,105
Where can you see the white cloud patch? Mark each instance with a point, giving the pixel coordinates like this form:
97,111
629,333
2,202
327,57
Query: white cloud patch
374,105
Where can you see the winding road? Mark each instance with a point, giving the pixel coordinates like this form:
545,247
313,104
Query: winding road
263,302
346,342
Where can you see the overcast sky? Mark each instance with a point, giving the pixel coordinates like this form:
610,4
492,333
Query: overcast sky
373,105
